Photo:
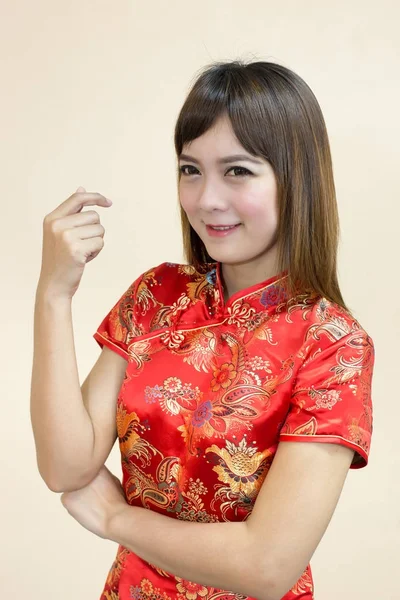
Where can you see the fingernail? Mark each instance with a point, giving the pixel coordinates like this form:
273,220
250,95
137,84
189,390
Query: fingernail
109,201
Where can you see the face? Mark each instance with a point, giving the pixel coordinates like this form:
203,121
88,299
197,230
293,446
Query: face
238,194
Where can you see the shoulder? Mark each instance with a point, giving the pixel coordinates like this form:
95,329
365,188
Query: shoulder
166,282
329,326
170,271
162,293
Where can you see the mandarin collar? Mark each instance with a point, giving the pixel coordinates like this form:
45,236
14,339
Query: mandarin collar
268,292
211,307
263,295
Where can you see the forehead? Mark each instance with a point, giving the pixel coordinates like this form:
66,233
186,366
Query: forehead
220,132
218,143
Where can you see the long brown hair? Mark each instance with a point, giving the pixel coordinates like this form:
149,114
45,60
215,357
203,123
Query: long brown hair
274,115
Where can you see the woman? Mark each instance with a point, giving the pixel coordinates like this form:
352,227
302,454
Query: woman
214,368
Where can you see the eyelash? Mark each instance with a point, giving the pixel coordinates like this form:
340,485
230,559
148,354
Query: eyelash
247,172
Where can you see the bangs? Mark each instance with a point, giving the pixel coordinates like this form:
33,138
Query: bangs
229,92
204,105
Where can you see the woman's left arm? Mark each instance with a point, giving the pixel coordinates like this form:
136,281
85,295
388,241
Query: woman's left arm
262,557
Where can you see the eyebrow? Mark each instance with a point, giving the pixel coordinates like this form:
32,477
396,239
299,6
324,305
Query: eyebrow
225,159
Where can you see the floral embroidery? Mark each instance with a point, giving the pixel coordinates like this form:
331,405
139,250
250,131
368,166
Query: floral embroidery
272,296
325,399
146,591
223,377
304,584
151,394
172,339
191,591
197,487
199,349
239,466
172,385
239,313
211,387
257,363
202,414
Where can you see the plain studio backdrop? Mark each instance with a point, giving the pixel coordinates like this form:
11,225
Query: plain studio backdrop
90,94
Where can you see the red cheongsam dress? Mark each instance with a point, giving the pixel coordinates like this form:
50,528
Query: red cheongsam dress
210,388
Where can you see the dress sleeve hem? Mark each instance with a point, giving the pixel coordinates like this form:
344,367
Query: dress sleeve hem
103,341
360,459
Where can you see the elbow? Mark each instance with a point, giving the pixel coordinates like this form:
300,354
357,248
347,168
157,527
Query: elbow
59,486
66,483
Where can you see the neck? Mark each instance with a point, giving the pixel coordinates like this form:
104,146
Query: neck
239,276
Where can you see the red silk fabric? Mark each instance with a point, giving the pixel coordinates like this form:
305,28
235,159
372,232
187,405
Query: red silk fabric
210,389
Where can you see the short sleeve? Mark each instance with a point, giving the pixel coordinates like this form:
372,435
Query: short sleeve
331,398
119,325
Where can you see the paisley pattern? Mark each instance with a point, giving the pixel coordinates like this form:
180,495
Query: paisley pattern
211,387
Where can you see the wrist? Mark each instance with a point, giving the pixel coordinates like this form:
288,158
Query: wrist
48,295
118,522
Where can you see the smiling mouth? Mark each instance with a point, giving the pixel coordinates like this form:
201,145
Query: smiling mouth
223,227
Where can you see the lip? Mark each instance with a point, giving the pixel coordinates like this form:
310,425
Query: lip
221,224
221,233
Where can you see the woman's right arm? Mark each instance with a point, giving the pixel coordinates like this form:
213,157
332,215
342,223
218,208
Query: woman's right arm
74,428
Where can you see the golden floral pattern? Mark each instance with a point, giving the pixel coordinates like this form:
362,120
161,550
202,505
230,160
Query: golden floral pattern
211,388
240,466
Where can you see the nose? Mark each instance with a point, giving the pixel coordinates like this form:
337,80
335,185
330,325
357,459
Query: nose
212,197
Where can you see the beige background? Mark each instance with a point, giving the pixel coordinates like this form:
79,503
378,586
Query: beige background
90,94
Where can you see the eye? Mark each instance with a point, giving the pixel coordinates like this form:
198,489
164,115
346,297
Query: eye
245,172
181,169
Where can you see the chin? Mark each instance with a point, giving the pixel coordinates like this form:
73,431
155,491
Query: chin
228,258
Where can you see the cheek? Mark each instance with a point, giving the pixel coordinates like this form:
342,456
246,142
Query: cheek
189,209
259,208
186,203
